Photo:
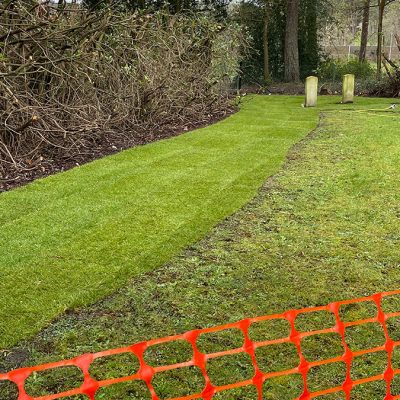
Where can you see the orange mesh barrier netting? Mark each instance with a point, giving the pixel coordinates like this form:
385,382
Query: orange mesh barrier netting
146,373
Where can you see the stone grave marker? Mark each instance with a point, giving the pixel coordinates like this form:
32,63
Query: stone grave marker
311,91
348,88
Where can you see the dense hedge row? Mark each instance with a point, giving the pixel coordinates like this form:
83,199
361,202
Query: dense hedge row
70,77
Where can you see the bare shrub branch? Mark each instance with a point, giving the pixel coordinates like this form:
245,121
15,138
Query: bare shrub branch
70,77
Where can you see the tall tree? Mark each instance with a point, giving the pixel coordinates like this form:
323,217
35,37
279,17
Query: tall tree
292,64
266,70
365,29
381,8
309,50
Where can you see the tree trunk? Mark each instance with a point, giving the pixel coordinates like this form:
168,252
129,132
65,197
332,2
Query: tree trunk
292,67
364,32
267,74
397,37
381,4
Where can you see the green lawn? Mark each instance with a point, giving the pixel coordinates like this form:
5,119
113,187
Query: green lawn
73,238
324,228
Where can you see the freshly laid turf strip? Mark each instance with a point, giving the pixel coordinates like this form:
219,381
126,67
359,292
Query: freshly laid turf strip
325,228
72,238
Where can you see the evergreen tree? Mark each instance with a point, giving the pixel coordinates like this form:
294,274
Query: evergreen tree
308,38
254,14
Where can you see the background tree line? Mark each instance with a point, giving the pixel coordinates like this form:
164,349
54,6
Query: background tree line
77,77
290,35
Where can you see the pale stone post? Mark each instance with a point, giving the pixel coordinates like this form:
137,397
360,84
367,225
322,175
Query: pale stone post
311,91
348,88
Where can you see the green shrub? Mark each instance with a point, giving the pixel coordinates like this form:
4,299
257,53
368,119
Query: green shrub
333,70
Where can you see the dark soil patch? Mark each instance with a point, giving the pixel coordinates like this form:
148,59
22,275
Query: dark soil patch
287,89
11,177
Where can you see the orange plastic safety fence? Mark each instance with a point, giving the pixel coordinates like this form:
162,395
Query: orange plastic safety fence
146,373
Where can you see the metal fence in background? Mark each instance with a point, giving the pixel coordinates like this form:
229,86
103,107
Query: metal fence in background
350,51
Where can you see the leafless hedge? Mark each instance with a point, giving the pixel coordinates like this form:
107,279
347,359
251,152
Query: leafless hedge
389,87
70,77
